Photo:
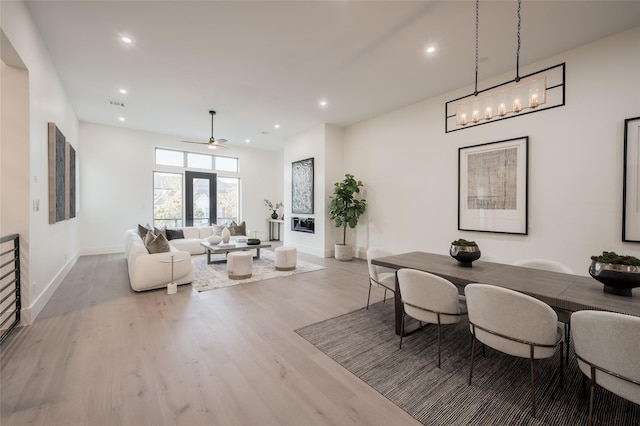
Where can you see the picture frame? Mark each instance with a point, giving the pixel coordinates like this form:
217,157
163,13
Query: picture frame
631,181
493,187
302,186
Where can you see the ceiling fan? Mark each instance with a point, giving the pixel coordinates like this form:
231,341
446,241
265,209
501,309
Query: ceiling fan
213,143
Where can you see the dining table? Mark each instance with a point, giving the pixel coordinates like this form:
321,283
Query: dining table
563,292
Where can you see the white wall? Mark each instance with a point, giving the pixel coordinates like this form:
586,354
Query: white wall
52,249
409,165
117,183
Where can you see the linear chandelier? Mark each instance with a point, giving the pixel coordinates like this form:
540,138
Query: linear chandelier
522,95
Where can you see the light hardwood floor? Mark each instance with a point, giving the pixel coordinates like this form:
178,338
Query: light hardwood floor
101,354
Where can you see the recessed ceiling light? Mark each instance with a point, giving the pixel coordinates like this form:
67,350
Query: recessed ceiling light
247,140
277,126
121,118
431,49
123,91
323,103
126,39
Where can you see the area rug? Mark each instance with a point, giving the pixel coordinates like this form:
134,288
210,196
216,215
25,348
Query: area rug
364,343
214,276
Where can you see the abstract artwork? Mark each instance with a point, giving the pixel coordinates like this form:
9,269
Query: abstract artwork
492,187
302,186
62,176
631,184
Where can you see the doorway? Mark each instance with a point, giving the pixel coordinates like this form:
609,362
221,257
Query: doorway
200,198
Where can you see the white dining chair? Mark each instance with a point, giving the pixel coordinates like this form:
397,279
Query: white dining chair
564,316
513,323
383,277
606,345
430,299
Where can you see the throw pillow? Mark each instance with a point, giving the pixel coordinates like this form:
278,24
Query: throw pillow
235,229
160,231
158,244
142,231
174,234
217,230
149,236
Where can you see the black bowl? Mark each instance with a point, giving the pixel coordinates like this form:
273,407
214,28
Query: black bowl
617,279
465,255
253,241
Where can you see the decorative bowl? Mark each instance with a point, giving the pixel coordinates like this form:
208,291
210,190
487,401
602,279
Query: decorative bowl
253,241
617,279
465,255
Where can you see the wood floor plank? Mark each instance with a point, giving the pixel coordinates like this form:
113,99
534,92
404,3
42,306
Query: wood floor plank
101,354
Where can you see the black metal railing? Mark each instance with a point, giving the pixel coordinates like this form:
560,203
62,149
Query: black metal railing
9,284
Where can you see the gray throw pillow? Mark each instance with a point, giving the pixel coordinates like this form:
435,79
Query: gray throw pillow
142,231
174,234
235,229
158,231
158,244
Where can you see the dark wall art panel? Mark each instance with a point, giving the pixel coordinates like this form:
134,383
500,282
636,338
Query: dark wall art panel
62,170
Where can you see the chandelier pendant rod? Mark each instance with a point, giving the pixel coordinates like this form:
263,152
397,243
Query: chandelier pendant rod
518,49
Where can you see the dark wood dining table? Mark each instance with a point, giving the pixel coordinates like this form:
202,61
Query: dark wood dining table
561,291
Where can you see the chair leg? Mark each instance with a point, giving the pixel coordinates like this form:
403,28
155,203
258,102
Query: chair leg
533,385
439,339
473,347
384,299
369,295
561,366
402,329
567,332
592,394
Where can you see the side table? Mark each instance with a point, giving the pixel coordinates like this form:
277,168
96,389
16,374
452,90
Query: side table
172,287
275,224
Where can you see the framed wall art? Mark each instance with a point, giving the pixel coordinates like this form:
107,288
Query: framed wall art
493,187
302,186
62,176
631,182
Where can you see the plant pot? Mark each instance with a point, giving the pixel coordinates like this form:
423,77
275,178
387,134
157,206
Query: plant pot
343,252
465,255
617,279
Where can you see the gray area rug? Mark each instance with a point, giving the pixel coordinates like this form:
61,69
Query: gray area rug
214,276
364,342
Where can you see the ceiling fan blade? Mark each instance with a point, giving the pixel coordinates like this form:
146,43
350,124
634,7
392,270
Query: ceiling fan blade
199,143
221,141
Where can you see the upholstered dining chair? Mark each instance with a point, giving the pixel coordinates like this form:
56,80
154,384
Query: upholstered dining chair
564,316
429,298
513,323
606,345
384,277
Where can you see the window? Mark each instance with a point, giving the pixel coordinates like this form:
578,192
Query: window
167,200
228,199
199,161
165,157
226,164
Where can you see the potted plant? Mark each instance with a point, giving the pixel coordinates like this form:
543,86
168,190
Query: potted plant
273,207
345,210
465,252
618,273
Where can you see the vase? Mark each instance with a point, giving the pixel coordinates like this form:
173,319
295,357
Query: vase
274,215
465,255
226,235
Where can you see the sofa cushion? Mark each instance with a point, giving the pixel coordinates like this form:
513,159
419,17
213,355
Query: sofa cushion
190,232
157,244
174,234
235,229
205,231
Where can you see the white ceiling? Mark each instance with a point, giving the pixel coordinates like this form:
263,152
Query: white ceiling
258,63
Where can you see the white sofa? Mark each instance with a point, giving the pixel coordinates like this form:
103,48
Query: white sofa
194,236
147,271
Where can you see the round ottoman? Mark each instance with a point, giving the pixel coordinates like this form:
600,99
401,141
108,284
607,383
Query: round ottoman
285,258
239,264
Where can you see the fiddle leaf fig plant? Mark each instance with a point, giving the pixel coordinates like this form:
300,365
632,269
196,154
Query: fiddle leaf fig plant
345,206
